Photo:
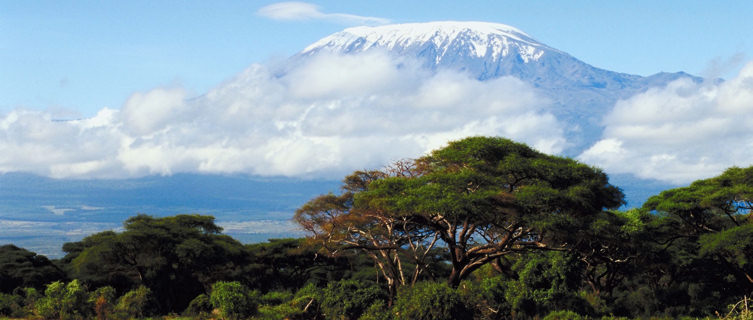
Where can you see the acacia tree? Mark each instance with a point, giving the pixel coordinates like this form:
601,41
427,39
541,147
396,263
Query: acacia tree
489,197
715,216
176,257
387,238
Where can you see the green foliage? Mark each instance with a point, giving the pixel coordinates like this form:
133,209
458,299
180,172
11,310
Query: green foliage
307,302
103,300
11,305
377,311
735,243
275,297
287,264
176,257
63,301
234,300
430,301
348,299
200,307
563,315
686,253
487,297
706,232
496,190
546,282
21,268
136,303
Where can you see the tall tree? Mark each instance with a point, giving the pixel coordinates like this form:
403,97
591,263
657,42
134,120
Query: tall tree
488,197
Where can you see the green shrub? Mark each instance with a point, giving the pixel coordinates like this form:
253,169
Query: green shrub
11,305
281,311
233,300
563,315
486,296
348,299
275,297
307,303
377,311
103,300
63,301
199,307
136,303
546,282
430,301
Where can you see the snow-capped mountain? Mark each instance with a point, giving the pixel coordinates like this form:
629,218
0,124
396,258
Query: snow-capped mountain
485,50
581,93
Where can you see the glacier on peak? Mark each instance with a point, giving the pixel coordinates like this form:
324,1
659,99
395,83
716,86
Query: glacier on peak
479,39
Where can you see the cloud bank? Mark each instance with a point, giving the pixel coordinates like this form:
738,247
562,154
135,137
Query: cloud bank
324,117
306,11
679,133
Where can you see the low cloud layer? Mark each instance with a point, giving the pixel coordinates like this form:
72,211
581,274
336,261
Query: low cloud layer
324,117
305,11
680,133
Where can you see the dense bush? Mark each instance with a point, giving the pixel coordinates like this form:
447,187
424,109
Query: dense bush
103,300
546,282
11,305
136,303
200,307
348,299
430,301
64,301
377,311
563,315
233,300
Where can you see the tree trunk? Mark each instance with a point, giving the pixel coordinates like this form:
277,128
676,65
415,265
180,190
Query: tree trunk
454,280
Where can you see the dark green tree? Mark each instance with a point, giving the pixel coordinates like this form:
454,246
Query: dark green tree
20,268
287,264
176,257
703,233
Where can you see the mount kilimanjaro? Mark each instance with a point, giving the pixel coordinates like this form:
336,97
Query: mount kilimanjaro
581,93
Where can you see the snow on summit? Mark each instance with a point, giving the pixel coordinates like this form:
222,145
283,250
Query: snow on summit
477,39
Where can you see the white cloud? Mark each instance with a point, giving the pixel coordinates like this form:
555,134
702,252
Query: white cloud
145,113
57,211
680,133
306,11
325,117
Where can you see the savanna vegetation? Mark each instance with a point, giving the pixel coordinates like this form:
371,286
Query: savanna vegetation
484,228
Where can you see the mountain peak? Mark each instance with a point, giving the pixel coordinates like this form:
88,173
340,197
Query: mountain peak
477,39
484,50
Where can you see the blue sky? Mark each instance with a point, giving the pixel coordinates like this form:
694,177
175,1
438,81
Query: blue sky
73,58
